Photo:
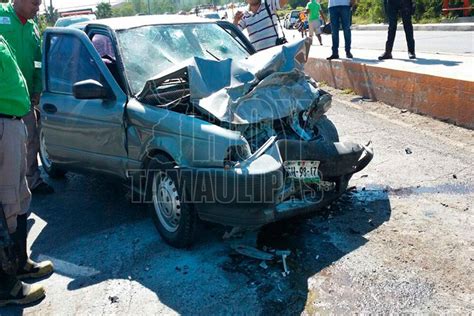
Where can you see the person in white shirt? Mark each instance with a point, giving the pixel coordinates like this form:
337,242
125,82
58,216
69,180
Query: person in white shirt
262,28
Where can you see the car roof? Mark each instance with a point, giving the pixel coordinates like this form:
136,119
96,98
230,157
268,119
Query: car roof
123,23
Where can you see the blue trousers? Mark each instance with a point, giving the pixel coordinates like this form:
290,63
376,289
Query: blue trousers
340,15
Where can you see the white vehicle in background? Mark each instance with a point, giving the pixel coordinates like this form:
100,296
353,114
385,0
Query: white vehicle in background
73,19
291,19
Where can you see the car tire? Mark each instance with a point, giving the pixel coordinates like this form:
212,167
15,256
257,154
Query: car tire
327,129
174,218
48,166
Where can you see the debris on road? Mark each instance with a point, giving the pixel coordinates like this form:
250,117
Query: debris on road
184,269
235,232
253,252
408,151
113,299
284,254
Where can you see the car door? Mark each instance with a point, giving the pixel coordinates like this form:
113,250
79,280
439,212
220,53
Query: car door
84,134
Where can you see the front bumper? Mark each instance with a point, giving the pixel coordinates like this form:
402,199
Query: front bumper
258,191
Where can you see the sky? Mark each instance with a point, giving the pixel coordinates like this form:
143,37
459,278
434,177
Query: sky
66,5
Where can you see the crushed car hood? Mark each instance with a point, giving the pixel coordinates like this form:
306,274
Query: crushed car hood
268,85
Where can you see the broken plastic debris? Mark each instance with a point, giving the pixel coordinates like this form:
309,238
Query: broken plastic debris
235,231
408,151
253,252
263,265
284,254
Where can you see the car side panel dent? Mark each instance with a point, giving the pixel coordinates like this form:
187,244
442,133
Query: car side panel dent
190,141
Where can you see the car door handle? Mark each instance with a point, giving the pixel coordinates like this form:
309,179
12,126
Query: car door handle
50,108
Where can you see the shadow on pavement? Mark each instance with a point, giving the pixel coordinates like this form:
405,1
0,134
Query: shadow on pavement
424,61
94,235
418,61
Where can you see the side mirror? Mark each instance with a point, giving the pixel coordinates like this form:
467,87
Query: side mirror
89,89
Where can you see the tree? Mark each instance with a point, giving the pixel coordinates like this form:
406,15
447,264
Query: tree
104,10
297,3
124,9
52,15
138,6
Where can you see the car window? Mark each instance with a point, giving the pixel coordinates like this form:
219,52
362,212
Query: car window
294,14
149,50
103,45
68,62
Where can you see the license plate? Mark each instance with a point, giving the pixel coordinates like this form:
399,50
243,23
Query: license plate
302,169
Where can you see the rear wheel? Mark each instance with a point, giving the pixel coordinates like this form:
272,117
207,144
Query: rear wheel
49,167
175,220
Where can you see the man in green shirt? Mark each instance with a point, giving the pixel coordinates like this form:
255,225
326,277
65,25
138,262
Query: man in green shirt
314,12
14,194
22,34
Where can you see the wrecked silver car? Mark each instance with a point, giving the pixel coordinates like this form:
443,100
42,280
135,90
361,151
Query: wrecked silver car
197,123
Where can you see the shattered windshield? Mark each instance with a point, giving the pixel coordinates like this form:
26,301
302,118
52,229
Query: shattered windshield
149,50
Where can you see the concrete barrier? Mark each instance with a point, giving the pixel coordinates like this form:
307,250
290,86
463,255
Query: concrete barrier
446,99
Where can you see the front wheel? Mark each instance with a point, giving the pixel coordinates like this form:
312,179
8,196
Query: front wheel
327,129
174,218
49,167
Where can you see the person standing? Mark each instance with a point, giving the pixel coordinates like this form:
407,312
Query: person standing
393,9
15,196
261,22
22,34
313,9
301,25
340,13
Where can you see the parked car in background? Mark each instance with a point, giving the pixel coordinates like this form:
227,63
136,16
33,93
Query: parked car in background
210,15
291,19
199,125
69,20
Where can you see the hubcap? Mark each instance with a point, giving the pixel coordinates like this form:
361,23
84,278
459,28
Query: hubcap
166,201
44,153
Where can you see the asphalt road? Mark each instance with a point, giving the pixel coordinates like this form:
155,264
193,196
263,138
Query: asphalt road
425,41
400,241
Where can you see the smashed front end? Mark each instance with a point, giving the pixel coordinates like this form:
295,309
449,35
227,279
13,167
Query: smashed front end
289,160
